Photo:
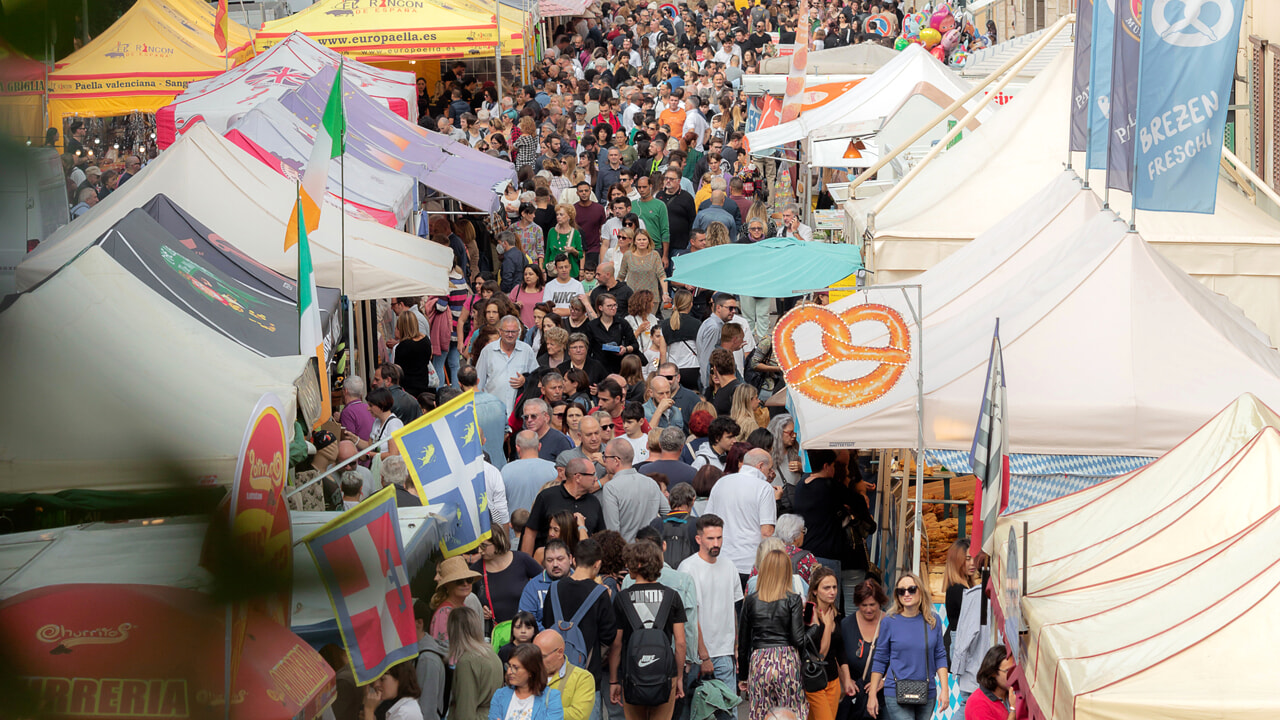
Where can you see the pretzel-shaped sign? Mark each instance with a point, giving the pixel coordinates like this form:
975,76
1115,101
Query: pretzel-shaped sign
809,377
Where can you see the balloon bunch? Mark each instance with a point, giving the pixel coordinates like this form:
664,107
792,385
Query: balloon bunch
948,34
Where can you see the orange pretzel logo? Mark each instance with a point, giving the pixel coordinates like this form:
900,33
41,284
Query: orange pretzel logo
809,378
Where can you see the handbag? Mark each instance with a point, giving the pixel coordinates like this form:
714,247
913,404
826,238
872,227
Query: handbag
500,633
813,670
914,692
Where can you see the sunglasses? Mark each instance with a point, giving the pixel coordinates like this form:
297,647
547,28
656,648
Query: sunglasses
531,417
903,591
733,308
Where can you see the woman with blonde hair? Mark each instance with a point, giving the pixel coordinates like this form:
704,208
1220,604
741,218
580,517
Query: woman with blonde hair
680,332
717,234
910,659
959,577
743,410
477,671
642,269
770,633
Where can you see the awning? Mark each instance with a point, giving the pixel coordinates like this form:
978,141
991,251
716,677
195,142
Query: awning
143,60
21,96
773,267
220,100
377,136
95,651
400,30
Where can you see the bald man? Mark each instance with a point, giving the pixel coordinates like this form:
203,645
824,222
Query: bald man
630,500
746,503
577,687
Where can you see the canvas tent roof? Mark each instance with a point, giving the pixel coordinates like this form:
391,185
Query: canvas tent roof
377,136
143,60
1109,349
415,29
1151,594
206,174
912,71
862,59
967,189
131,383
221,100
284,142
205,282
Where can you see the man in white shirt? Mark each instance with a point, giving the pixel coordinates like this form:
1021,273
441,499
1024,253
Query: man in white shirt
502,365
791,225
718,589
745,501
630,111
694,120
563,289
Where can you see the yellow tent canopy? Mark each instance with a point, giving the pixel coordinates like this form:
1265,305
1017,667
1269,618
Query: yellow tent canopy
516,24
21,95
387,30
143,60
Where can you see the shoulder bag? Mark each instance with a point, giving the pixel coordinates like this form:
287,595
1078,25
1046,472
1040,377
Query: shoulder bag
915,692
813,671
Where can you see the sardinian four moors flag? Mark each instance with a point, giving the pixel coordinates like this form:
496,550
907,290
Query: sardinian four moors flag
990,456
221,26
443,451
361,563
330,143
1187,65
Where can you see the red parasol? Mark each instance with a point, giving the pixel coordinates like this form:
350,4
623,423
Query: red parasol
93,651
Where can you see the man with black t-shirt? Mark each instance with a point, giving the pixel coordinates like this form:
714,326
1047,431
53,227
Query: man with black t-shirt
573,495
599,625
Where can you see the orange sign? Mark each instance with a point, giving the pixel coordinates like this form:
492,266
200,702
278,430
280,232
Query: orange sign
808,376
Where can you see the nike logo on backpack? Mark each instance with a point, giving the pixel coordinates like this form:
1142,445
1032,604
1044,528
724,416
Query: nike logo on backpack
647,660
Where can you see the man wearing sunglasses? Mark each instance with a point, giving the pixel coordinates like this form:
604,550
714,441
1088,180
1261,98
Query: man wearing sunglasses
723,308
552,442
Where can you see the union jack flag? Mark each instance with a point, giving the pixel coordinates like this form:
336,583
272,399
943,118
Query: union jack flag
278,76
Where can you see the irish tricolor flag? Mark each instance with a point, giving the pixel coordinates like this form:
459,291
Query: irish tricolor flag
310,334
330,141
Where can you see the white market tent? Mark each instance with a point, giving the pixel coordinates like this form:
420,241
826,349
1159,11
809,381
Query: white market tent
1153,594
861,59
969,188
385,196
166,551
248,204
913,72
220,100
1109,349
118,381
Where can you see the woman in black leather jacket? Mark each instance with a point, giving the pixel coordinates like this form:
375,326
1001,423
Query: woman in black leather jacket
769,637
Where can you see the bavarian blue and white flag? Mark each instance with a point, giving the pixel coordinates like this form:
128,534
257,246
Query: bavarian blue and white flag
1124,94
989,457
1104,18
443,452
1188,59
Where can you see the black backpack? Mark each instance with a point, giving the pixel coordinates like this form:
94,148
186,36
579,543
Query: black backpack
650,662
675,533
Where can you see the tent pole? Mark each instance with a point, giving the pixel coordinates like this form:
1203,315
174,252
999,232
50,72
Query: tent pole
1025,55
497,52
900,564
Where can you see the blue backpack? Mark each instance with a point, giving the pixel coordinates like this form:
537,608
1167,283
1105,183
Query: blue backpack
575,646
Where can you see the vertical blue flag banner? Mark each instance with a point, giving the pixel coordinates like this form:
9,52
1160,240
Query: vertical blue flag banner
1124,94
1104,17
1080,77
1188,62
443,452
361,562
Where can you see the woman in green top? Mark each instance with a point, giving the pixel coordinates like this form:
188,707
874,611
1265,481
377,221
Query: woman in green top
565,237
477,671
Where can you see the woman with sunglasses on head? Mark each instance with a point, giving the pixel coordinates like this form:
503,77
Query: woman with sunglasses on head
910,658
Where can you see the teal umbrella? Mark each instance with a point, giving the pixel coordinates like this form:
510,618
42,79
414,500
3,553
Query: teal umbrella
773,267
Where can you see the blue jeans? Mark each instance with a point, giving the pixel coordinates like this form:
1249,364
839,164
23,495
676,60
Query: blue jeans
959,713
894,711
451,360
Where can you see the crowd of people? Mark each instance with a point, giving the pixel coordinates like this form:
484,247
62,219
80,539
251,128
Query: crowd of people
659,545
